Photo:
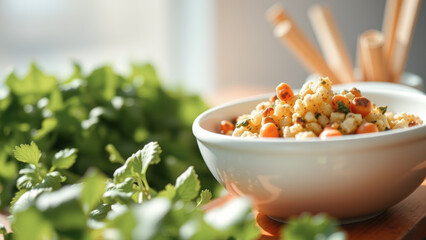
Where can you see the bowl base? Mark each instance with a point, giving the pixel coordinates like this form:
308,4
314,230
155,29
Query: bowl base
343,221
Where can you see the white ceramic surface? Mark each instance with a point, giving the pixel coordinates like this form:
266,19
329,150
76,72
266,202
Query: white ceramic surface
410,82
350,177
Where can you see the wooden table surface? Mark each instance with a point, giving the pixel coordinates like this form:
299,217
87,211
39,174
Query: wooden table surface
406,220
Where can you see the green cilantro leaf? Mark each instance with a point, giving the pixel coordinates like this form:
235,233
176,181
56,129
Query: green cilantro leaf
242,123
26,199
64,159
169,192
341,107
383,109
100,212
94,184
29,179
205,197
234,219
157,210
102,82
124,222
114,155
150,154
33,86
31,224
137,164
48,125
56,102
52,180
27,153
312,227
3,230
8,169
62,208
187,185
119,192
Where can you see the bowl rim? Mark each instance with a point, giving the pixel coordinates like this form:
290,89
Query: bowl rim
381,138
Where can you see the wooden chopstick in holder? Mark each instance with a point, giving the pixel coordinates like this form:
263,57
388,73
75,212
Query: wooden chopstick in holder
310,57
331,42
390,20
290,34
403,36
360,63
374,66
276,14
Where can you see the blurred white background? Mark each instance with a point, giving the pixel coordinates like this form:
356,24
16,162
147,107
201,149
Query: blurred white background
203,45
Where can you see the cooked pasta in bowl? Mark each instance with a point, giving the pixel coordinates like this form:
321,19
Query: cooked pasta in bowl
312,156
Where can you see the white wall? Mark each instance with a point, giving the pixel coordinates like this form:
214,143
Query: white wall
93,32
203,45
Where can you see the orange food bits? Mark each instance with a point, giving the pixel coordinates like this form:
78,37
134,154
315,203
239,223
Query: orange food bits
361,105
269,130
284,92
340,103
273,98
226,126
329,132
267,120
356,92
367,128
268,112
412,123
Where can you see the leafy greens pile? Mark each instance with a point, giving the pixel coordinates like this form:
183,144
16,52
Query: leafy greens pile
121,207
97,113
81,187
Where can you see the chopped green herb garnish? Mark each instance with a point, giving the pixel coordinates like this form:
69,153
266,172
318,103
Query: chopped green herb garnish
383,109
341,107
243,123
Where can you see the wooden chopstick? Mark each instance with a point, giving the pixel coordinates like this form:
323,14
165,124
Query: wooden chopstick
403,36
290,34
276,14
331,42
360,63
390,20
374,66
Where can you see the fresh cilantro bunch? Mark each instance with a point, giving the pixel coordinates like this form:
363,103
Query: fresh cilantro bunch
97,113
35,178
122,207
308,227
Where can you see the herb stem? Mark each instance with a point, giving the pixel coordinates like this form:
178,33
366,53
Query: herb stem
146,187
141,190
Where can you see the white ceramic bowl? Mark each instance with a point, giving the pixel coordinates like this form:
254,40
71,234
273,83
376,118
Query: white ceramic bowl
351,177
409,82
